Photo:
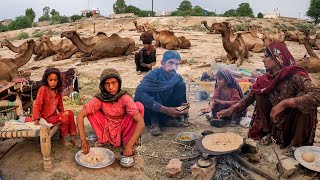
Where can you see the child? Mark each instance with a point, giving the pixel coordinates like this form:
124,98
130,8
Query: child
146,58
227,92
48,101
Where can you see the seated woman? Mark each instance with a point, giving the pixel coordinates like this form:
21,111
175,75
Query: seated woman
226,93
49,100
286,102
113,115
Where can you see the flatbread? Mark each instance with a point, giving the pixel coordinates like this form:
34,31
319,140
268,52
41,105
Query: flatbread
222,142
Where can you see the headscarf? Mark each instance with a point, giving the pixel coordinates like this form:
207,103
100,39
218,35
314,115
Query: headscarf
231,81
280,53
104,95
170,55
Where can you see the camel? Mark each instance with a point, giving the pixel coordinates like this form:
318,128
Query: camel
17,49
234,46
148,26
42,51
65,48
306,42
9,66
112,46
252,41
166,39
312,63
184,43
313,41
293,36
211,30
139,27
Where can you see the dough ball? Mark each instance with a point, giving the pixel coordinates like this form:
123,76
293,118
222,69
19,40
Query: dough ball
308,157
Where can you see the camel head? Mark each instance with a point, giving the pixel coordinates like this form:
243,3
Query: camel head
5,42
45,38
68,34
221,27
203,22
58,57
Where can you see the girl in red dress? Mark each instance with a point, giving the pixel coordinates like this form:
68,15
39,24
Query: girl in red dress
48,101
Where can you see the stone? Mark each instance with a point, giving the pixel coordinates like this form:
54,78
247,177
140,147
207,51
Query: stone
139,162
290,165
203,173
250,147
174,168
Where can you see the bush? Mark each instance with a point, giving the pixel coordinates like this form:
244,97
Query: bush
241,27
3,28
37,34
64,19
260,15
44,18
23,35
20,22
75,17
305,26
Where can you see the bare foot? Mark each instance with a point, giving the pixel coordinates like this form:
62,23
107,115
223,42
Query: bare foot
66,143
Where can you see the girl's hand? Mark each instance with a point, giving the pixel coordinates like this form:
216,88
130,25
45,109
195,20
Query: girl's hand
128,151
225,113
36,122
206,110
218,101
276,110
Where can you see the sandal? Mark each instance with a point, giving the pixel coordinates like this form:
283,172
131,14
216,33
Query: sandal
290,151
266,140
155,131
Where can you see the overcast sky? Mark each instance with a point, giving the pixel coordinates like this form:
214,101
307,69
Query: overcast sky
9,9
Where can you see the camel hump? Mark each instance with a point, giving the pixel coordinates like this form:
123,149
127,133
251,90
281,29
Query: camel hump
101,33
114,35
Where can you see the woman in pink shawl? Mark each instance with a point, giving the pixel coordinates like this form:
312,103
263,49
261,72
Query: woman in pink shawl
113,115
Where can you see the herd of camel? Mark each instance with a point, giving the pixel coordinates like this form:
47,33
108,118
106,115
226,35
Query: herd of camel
236,44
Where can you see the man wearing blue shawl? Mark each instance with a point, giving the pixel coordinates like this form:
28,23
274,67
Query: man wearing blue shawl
161,91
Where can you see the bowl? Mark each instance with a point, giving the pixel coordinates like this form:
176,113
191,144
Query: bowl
126,161
187,138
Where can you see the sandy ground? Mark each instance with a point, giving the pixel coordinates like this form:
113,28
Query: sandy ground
24,161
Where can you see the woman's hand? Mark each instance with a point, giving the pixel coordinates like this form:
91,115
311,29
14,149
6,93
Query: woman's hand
172,111
128,151
276,110
85,146
218,101
225,113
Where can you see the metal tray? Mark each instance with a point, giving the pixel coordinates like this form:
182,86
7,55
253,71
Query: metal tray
315,165
104,163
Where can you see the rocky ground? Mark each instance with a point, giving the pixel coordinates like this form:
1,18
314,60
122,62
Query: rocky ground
24,161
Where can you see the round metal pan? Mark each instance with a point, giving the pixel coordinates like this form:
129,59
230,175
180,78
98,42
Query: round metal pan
200,147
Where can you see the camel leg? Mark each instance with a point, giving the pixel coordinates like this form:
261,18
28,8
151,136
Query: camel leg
130,49
229,58
257,48
91,58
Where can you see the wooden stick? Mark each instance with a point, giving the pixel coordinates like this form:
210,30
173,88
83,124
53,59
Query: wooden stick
279,161
248,165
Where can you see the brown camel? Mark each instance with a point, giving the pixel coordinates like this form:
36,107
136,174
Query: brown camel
64,45
148,26
166,39
293,36
184,43
234,46
211,30
42,51
252,41
17,49
306,42
139,27
311,64
90,40
9,66
112,46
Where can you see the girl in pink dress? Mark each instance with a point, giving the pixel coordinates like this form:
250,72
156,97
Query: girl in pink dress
113,115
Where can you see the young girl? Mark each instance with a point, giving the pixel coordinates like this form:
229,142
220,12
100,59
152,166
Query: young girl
48,101
227,92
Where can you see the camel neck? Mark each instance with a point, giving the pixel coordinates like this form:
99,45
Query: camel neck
13,48
82,46
20,61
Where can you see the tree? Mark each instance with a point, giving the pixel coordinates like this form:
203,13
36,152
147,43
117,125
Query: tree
119,7
133,9
185,5
314,11
244,10
54,13
230,13
46,10
30,13
260,15
198,11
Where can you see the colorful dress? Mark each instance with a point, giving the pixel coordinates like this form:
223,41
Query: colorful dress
46,106
113,121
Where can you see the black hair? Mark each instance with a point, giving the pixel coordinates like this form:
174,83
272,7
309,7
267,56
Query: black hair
46,74
147,40
220,75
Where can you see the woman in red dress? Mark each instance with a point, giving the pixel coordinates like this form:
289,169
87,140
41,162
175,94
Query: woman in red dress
48,101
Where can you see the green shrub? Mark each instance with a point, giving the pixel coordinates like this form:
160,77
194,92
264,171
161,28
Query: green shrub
3,28
44,18
75,17
37,34
64,19
22,35
20,22
241,27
